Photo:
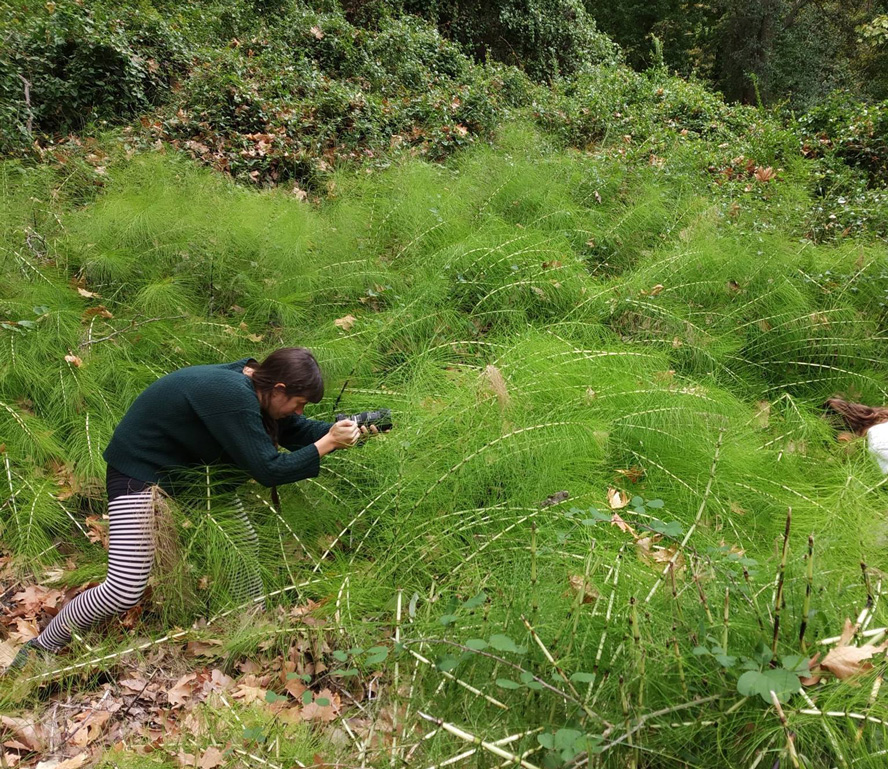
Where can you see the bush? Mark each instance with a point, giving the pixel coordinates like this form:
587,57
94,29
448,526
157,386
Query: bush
547,38
298,98
82,64
851,130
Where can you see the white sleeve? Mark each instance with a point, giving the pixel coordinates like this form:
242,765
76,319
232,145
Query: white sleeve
877,440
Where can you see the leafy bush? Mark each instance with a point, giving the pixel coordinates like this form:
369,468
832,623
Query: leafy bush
67,64
850,130
314,91
547,38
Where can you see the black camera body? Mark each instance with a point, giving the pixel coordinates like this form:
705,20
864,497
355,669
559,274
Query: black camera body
381,419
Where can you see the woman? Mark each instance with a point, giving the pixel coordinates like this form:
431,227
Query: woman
233,415
871,421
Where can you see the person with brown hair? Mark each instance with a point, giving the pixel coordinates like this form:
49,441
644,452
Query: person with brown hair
233,416
869,421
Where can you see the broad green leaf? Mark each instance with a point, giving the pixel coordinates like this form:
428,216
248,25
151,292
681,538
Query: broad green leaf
477,644
582,678
447,619
307,697
340,655
503,643
475,601
505,683
782,682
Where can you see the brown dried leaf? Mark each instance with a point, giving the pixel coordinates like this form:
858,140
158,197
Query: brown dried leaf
34,598
617,521
99,310
248,694
633,474
656,290
764,174
846,661
87,294
617,499
659,556
317,32
579,585
26,629
74,361
345,323
182,690
315,712
92,728
68,763
26,732
211,758
208,648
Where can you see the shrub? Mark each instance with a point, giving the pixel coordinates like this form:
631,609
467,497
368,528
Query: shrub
82,64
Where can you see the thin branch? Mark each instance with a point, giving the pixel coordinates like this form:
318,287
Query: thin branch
128,328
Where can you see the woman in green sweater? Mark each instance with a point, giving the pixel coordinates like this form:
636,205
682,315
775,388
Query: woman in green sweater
230,415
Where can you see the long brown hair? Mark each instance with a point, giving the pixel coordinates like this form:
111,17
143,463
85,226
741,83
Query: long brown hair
858,416
300,374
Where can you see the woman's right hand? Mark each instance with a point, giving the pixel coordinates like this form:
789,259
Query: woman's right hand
344,434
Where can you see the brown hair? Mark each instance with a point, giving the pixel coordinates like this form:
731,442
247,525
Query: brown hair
857,416
300,374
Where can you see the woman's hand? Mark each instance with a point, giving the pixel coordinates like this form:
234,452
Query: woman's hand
344,434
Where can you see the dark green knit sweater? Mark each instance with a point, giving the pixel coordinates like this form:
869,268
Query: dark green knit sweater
209,415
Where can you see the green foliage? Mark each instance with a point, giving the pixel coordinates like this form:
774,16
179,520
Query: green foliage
68,64
546,38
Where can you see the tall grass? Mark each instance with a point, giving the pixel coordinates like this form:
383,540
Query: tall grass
530,340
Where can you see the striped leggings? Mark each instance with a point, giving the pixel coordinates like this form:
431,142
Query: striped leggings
131,549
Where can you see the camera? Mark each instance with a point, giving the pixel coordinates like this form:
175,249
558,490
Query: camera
381,419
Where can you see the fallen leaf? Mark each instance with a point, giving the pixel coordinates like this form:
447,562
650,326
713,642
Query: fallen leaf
208,648
87,294
248,694
345,323
764,174
25,731
844,660
182,690
655,291
68,763
581,586
659,556
7,655
633,474
26,629
35,598
617,521
92,729
74,360
316,712
99,310
212,758
317,32
617,499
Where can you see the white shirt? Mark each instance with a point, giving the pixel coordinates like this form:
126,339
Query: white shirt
877,441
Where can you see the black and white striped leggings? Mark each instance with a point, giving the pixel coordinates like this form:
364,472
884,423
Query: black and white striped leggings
131,549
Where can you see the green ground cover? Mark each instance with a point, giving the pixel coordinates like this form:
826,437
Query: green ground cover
622,326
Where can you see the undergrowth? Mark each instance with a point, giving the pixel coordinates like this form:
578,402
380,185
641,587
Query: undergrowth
606,382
